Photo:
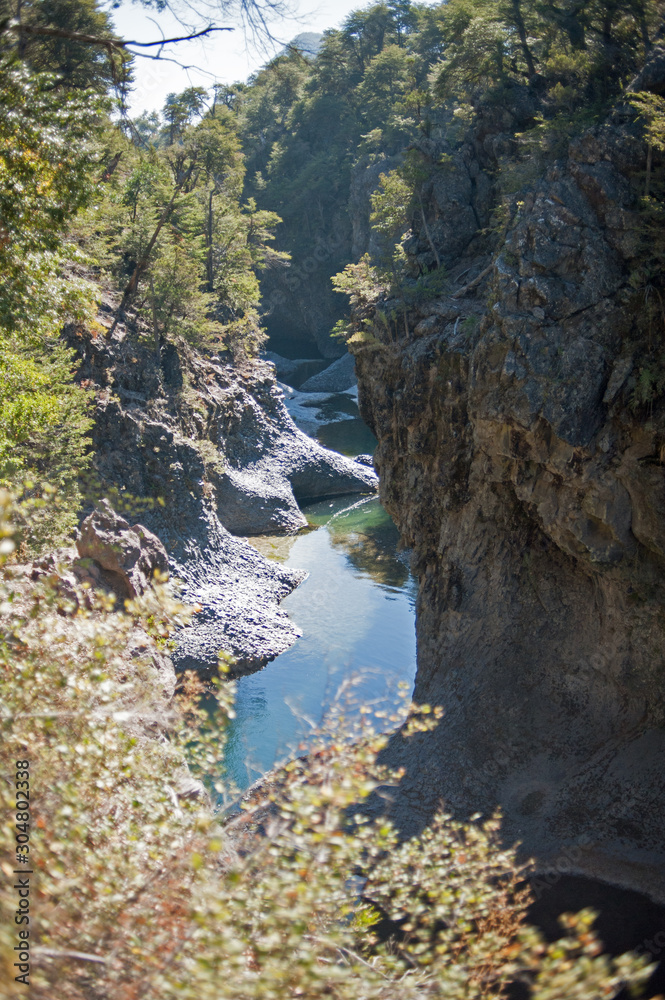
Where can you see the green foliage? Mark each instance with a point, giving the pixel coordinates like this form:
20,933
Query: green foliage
397,72
279,901
44,422
46,175
651,108
388,272
47,146
581,53
304,125
477,42
171,219
649,384
390,217
388,79
360,282
72,63
175,301
180,110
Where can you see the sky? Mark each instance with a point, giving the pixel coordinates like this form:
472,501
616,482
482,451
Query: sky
224,56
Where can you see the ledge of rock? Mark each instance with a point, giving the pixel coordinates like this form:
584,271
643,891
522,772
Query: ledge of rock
270,465
239,592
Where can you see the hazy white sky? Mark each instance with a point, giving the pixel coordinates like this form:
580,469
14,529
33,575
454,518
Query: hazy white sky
224,56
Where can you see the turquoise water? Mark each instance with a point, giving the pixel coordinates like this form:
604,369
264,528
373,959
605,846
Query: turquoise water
350,437
356,612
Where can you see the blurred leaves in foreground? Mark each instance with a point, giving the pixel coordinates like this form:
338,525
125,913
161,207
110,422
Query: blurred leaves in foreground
295,895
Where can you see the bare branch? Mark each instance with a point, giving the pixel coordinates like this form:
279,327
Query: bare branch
182,38
109,43
472,284
176,62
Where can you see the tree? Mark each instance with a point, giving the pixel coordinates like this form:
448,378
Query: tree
404,18
224,173
173,222
73,63
366,32
388,78
44,445
651,108
47,171
515,14
391,204
180,110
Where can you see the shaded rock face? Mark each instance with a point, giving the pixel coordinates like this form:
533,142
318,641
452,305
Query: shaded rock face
219,450
301,306
129,556
533,495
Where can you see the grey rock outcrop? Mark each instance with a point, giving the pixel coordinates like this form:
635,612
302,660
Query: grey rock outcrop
652,75
531,488
239,593
284,367
129,556
270,465
215,451
337,377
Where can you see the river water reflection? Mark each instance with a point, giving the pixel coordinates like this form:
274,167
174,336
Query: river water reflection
356,612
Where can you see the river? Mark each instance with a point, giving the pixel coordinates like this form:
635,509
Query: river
356,613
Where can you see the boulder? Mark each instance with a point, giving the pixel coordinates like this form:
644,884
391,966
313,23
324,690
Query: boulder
652,76
129,556
338,377
284,367
254,504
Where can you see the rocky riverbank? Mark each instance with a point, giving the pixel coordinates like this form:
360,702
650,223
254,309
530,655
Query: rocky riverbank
214,449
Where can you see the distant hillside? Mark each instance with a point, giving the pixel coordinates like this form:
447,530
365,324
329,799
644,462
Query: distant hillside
308,43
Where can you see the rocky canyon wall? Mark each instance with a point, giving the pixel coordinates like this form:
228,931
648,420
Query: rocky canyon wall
520,466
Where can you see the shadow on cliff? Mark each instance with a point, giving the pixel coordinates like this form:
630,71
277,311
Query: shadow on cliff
626,920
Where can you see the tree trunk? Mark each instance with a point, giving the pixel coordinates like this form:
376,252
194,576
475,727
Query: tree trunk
428,234
110,169
521,30
647,185
142,263
209,261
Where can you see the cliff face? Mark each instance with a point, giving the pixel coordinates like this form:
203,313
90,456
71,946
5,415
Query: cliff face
532,490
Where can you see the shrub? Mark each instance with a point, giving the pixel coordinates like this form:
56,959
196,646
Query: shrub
138,893
44,423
